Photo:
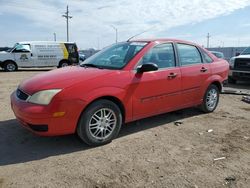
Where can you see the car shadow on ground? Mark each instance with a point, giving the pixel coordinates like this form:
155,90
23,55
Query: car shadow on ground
19,145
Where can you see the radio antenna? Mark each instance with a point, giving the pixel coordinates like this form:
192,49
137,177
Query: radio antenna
139,34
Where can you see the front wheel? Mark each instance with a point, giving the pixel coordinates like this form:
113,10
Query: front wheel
10,66
100,123
210,99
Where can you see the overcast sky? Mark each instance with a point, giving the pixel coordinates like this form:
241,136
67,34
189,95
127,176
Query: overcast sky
227,21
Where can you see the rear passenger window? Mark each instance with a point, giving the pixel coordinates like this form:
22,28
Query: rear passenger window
188,54
162,55
206,57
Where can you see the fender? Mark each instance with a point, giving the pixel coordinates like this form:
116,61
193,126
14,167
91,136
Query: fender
8,60
209,81
6,56
2,63
116,92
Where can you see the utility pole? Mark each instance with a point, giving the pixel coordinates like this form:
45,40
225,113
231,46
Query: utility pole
116,33
238,42
208,37
54,36
66,15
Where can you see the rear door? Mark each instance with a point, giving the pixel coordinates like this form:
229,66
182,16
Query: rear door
157,91
194,73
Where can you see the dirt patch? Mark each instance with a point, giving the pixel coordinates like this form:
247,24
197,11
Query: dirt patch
246,108
1,182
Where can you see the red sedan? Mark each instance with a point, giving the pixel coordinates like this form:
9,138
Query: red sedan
122,83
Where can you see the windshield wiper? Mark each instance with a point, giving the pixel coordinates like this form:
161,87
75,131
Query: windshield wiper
91,65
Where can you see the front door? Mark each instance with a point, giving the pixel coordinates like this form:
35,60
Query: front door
23,55
157,91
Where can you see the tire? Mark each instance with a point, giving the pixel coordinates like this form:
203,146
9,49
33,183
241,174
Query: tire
231,80
63,63
106,119
10,66
210,99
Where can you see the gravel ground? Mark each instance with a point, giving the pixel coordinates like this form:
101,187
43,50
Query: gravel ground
153,152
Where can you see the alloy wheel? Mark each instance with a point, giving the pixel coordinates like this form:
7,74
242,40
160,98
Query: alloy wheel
11,67
212,98
102,123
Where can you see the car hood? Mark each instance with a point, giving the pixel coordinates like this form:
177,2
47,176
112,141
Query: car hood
61,78
5,55
243,56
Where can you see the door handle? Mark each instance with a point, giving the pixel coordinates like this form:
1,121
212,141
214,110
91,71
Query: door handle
203,69
31,54
172,75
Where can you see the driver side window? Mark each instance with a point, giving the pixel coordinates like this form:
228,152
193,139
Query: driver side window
20,48
162,55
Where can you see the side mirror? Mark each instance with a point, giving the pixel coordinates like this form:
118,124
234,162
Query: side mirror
147,67
237,53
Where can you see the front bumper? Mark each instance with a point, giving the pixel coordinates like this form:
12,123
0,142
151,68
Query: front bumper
239,75
39,118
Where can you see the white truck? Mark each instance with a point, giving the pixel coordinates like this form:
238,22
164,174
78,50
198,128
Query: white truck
240,67
39,54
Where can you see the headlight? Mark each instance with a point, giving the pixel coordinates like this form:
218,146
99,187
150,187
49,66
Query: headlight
43,97
231,62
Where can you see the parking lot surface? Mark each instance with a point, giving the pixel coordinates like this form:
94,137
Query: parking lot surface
186,148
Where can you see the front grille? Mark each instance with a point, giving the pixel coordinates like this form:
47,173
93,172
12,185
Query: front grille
21,95
242,64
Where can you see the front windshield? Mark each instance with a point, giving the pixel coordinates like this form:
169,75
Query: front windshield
11,49
115,56
20,48
246,51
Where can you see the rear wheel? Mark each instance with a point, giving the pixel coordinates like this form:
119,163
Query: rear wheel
10,66
210,99
100,123
63,63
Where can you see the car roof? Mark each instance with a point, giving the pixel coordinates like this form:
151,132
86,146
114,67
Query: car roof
44,42
163,40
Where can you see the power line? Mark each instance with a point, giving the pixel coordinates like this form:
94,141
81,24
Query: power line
54,36
66,15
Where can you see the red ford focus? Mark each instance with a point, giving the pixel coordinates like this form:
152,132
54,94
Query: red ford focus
122,83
